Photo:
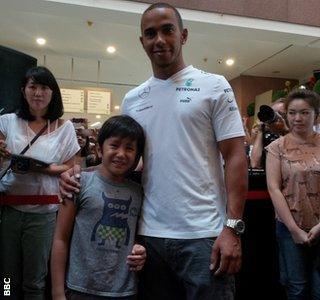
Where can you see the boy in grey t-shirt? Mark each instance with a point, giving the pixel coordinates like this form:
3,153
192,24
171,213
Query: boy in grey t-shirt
99,225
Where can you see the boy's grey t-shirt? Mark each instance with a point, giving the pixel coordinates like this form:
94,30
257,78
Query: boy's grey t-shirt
103,236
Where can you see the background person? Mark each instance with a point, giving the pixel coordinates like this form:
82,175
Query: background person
83,141
293,177
263,134
94,158
26,231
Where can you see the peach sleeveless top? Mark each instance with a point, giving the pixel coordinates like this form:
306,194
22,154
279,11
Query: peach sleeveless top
300,172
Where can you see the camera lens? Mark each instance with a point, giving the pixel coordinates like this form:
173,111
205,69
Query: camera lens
266,114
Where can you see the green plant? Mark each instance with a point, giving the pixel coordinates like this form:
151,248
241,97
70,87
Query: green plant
316,87
276,94
250,109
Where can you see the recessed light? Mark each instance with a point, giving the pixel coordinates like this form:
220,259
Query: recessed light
98,116
229,62
117,107
95,124
41,41
111,49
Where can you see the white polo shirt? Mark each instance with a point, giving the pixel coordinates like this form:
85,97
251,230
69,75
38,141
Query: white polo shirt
184,117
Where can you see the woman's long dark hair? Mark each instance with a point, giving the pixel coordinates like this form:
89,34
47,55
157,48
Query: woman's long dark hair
41,75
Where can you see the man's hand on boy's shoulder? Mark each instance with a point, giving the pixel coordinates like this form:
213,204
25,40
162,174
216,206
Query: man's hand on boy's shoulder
69,182
137,258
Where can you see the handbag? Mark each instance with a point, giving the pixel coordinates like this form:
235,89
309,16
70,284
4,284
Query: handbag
26,148
26,199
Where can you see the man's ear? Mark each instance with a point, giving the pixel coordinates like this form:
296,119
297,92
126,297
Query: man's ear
141,41
184,36
23,93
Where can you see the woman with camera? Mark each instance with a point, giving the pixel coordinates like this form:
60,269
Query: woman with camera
30,185
293,177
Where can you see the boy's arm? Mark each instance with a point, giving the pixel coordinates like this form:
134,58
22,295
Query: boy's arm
60,247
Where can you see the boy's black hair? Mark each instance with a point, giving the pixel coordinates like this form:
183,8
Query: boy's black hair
41,75
124,127
166,5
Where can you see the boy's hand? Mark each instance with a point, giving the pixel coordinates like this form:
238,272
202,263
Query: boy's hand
69,182
137,258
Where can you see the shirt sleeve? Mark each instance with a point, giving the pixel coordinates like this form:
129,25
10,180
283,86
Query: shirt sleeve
226,120
4,124
274,149
71,146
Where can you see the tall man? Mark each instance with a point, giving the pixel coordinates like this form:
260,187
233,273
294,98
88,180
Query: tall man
189,118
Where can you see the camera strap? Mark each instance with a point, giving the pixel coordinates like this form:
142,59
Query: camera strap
27,147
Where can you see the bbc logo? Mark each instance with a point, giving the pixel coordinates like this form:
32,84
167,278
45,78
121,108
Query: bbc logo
6,287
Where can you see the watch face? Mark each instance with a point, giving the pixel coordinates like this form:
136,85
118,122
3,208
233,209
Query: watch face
239,227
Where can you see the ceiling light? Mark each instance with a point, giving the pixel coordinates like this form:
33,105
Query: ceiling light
111,49
229,62
117,107
98,116
41,41
95,124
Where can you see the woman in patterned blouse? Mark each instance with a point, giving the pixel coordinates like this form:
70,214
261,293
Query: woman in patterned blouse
293,176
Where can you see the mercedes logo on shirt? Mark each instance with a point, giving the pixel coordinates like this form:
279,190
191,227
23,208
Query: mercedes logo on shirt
144,93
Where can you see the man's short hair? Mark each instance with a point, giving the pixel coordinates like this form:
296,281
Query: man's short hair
165,5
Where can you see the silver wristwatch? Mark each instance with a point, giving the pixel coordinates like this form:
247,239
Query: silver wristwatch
237,225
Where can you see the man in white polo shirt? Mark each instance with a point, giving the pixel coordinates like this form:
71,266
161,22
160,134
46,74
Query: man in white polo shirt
190,118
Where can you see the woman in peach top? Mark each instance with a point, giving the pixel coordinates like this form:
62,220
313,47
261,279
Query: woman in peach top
293,176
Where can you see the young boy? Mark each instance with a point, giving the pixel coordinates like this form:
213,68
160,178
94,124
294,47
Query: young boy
99,225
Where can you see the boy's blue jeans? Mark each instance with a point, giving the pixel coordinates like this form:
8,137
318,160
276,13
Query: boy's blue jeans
299,272
179,269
